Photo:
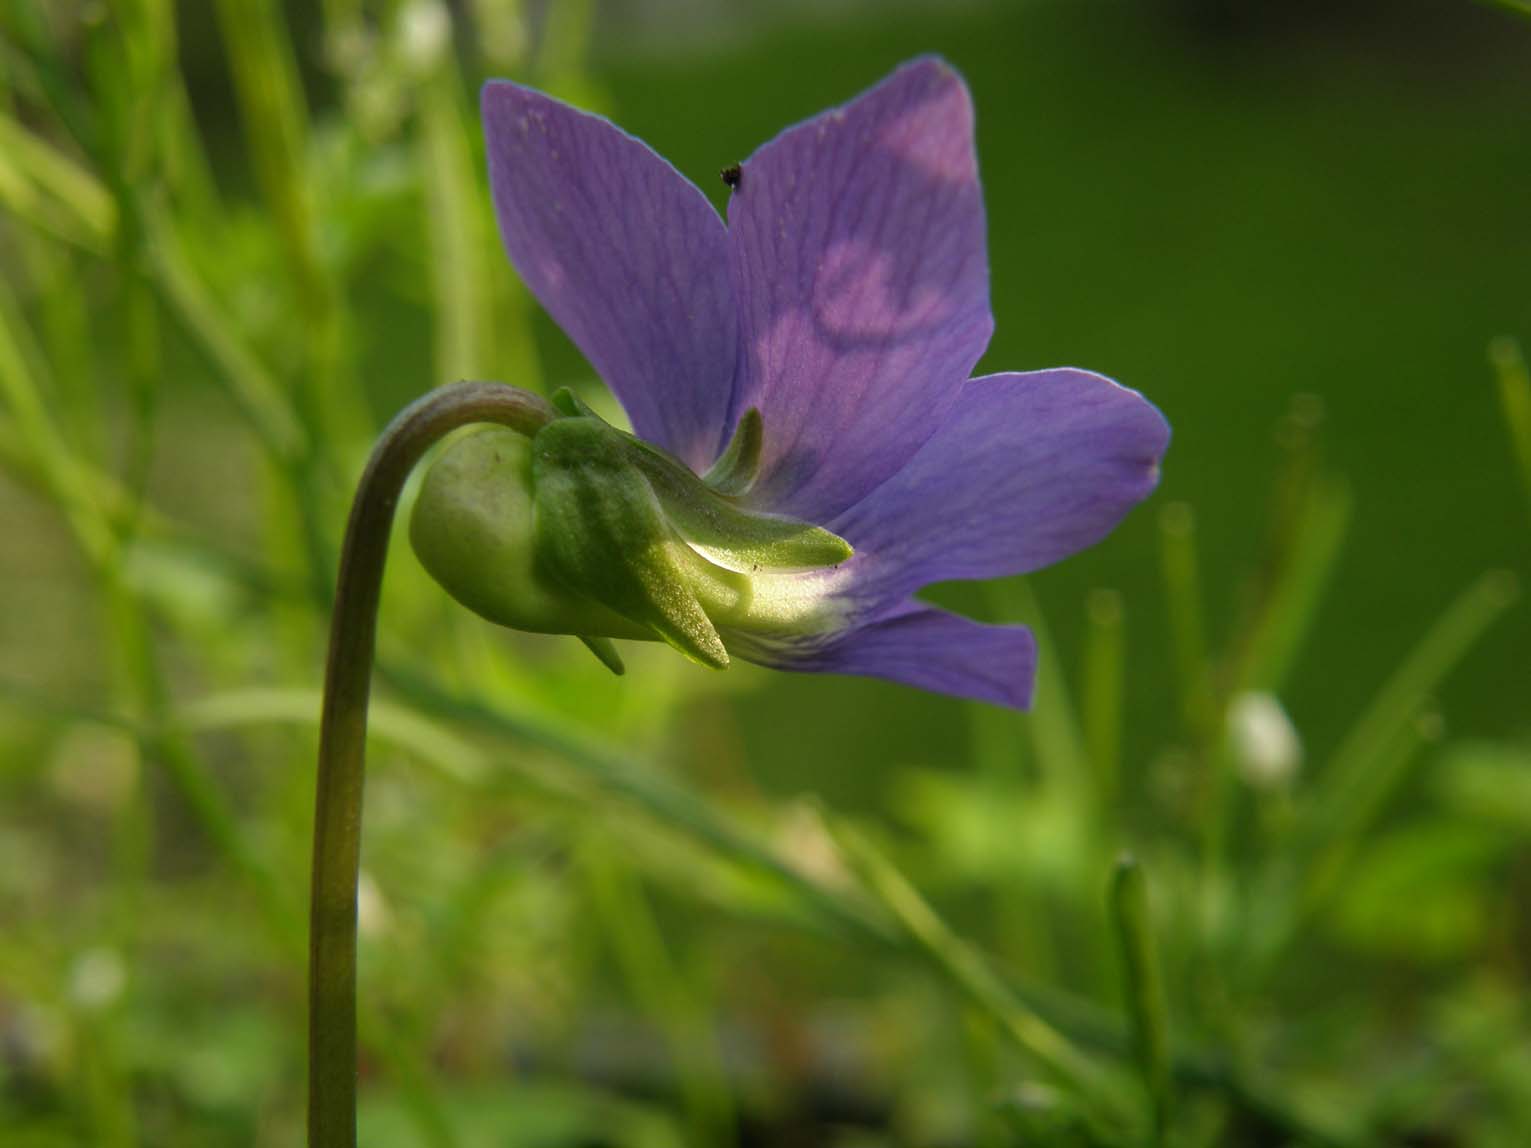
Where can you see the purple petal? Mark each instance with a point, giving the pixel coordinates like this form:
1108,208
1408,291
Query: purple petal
921,646
626,255
1027,469
863,286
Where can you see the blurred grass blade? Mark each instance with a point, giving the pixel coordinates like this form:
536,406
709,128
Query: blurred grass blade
261,399
132,57
482,309
662,990
136,651
432,744
275,120
50,455
460,245
566,40
1104,658
616,778
1144,987
404,1060
1515,399
51,191
1369,767
1182,587
1052,724
275,117
258,394
65,329
674,808
1350,790
971,973
479,329
670,805
1286,616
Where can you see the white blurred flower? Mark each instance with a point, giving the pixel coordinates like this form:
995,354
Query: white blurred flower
424,34
97,978
1264,741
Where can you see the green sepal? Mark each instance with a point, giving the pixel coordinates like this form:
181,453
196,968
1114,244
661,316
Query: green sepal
570,405
474,529
702,509
739,464
725,532
606,651
603,533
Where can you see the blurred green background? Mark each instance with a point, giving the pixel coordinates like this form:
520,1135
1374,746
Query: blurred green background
680,907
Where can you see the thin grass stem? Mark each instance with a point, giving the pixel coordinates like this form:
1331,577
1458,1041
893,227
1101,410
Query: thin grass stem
1101,704
1144,988
1515,400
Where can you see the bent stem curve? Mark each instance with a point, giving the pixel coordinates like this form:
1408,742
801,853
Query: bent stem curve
343,732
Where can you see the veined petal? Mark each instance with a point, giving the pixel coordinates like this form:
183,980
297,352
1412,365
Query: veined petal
1026,470
628,257
922,646
863,286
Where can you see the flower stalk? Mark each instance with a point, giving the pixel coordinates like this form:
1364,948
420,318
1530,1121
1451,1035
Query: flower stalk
343,732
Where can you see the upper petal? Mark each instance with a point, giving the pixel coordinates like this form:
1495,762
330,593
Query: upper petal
628,257
863,286
1027,469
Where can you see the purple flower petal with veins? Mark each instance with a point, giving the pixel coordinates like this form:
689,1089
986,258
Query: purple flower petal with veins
857,246
847,300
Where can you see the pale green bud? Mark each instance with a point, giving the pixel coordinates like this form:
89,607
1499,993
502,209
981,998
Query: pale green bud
474,530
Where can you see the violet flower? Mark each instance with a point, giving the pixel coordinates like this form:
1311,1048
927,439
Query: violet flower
819,343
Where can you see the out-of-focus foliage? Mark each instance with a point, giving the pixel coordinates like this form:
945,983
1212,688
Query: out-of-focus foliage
691,909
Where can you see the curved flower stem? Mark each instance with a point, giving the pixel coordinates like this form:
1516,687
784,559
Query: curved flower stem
343,733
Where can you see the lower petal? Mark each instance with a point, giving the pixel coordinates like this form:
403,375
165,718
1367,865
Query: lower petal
931,649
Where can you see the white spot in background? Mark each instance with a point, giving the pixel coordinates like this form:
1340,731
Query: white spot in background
1264,741
424,34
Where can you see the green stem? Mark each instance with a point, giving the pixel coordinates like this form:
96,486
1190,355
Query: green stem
1144,987
343,733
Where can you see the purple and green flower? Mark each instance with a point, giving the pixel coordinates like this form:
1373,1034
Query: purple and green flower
809,448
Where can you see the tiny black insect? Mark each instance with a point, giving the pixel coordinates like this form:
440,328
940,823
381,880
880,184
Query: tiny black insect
733,176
